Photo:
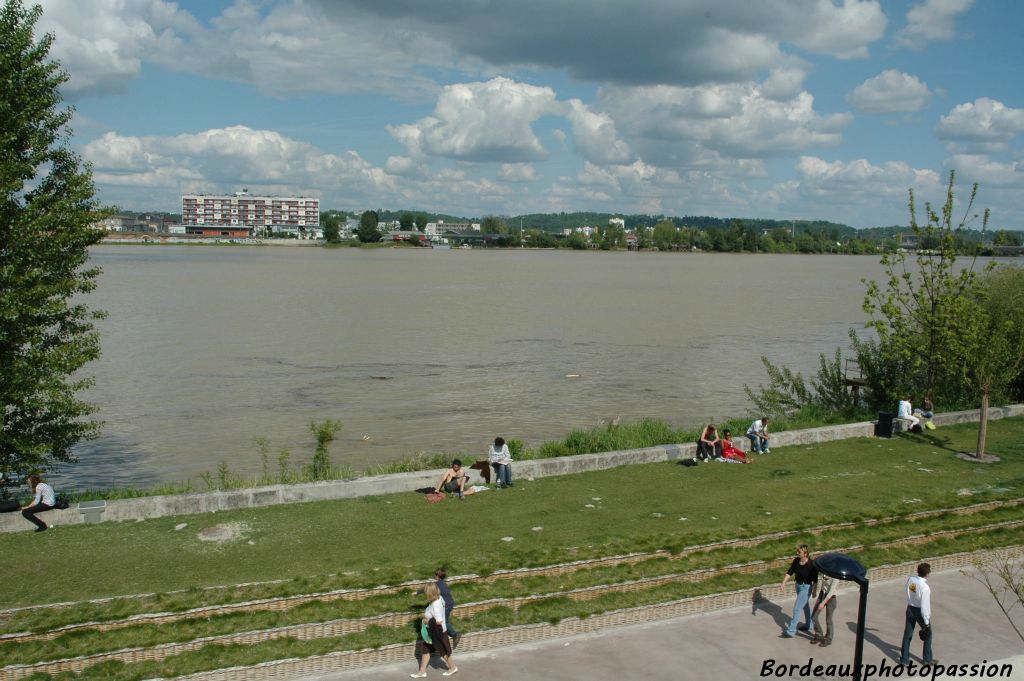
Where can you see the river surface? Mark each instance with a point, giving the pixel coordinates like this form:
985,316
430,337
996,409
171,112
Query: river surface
206,349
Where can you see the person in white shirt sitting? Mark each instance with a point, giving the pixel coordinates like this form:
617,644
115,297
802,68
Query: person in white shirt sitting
905,411
758,434
501,461
44,500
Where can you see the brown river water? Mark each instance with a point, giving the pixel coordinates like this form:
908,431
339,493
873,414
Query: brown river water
206,349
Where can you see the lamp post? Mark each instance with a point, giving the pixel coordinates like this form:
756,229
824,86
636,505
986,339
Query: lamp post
842,566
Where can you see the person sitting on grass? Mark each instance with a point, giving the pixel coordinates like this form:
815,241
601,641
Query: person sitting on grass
709,445
730,454
454,480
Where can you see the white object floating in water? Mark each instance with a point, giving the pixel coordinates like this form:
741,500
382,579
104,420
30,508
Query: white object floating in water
507,538
572,375
366,437
181,526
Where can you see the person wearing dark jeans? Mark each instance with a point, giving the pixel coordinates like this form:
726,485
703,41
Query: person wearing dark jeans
449,605
501,459
44,500
919,611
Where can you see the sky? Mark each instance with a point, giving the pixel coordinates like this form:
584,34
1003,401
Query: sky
785,109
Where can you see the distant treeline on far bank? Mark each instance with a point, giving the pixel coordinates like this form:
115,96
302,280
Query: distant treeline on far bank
608,231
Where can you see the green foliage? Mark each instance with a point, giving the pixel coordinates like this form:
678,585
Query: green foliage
421,221
47,207
332,227
368,233
492,224
787,393
923,316
325,433
406,221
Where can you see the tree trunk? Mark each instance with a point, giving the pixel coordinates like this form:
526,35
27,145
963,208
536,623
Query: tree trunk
982,425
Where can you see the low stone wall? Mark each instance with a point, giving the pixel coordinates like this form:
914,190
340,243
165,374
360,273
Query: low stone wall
205,502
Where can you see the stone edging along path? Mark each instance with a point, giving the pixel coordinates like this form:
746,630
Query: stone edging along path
205,502
492,639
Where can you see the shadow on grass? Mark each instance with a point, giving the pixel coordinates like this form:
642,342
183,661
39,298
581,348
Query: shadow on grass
931,441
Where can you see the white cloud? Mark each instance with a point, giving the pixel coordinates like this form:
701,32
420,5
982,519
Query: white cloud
931,20
679,126
223,159
988,173
984,124
286,49
594,135
850,182
890,91
488,121
517,172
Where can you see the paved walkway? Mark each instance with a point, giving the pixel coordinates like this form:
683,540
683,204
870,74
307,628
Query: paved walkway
734,644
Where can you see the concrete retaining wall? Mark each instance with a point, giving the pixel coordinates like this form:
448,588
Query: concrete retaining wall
185,504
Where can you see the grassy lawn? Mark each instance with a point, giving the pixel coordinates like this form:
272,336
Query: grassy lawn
389,539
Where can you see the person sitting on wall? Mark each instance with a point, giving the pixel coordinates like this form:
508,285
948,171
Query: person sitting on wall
905,411
454,480
709,445
45,500
926,413
501,459
730,454
758,434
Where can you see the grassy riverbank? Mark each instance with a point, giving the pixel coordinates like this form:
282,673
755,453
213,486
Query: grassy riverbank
376,540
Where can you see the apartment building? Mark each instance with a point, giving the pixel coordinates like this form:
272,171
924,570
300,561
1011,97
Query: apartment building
242,214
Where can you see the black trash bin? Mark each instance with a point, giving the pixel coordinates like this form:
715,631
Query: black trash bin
883,427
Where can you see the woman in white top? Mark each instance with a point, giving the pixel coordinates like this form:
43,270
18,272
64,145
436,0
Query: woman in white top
45,500
439,643
501,460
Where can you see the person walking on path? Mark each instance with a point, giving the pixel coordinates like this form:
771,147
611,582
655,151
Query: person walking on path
758,434
501,461
826,601
806,576
44,500
449,605
919,611
435,641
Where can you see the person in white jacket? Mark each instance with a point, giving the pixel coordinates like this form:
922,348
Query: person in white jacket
436,641
501,461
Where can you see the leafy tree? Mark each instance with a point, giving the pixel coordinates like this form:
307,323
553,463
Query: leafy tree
332,228
414,239
492,224
406,221
421,221
368,232
665,235
923,314
47,208
995,340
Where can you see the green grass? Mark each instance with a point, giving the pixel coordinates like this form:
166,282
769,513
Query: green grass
83,642
606,438
550,610
390,539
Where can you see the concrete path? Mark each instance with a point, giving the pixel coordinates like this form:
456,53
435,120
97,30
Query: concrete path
735,644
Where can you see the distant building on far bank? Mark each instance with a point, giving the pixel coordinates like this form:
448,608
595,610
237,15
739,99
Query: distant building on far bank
241,214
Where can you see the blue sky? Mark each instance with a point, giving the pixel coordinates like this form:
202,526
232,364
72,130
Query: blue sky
806,109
